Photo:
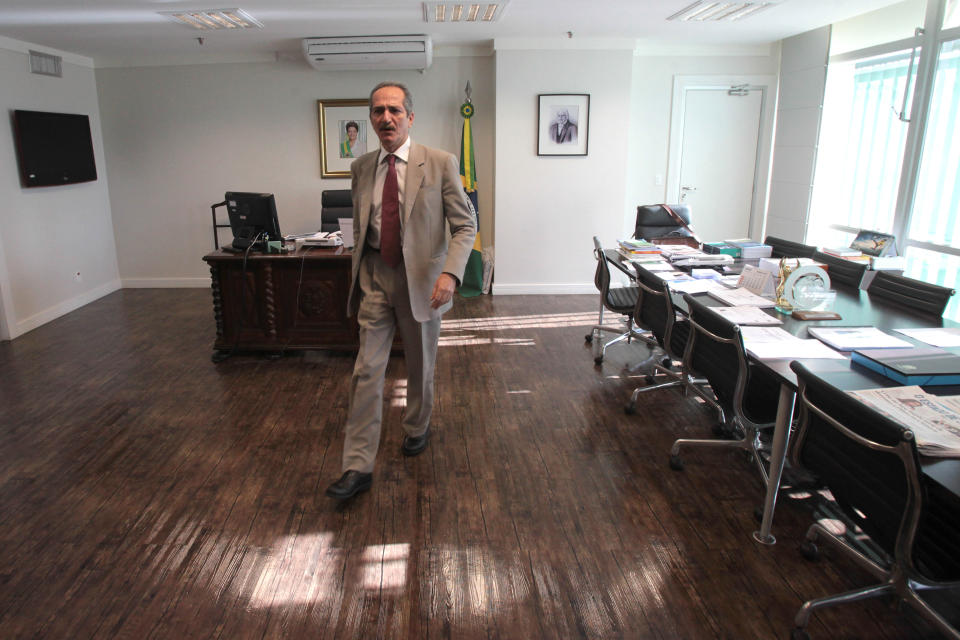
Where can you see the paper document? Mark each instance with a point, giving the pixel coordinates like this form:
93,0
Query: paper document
795,350
754,335
741,297
934,420
662,265
849,338
670,276
938,337
697,286
746,315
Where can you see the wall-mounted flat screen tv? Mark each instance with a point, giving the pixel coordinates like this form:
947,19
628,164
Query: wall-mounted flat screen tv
53,148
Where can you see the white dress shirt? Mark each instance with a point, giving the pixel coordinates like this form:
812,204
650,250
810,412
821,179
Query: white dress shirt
373,233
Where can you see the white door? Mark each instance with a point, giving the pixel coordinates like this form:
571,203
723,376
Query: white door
718,158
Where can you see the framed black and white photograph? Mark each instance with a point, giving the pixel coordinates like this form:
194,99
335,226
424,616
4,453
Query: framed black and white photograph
562,124
344,133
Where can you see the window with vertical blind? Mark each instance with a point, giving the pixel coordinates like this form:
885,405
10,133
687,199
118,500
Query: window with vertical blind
889,152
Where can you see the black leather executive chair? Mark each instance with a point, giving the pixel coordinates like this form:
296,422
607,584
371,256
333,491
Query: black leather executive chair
334,204
788,248
910,294
870,465
843,272
747,395
620,300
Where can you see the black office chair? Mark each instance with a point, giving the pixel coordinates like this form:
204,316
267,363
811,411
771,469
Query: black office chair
654,221
788,248
655,312
747,394
843,272
909,294
334,204
619,300
870,465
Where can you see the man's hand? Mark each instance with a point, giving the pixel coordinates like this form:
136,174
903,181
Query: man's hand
443,290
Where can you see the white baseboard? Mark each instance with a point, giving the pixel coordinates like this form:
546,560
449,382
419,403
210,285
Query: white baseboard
533,288
65,307
165,283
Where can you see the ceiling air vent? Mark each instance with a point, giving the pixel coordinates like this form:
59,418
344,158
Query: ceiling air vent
46,64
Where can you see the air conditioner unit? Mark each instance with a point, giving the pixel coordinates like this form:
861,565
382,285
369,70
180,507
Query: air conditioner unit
369,52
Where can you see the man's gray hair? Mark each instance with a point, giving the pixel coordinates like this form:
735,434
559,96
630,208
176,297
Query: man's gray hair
407,96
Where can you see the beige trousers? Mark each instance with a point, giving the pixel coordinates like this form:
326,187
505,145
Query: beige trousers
385,307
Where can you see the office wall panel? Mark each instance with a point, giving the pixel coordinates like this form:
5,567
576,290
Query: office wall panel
58,245
803,61
177,138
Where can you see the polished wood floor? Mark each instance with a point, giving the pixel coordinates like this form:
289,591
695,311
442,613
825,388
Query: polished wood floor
146,492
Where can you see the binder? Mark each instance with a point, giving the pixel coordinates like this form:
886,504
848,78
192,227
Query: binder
920,366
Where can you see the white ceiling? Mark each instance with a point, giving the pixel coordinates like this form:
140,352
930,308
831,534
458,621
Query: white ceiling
130,32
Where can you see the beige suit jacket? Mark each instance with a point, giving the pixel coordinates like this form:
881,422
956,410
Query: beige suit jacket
433,198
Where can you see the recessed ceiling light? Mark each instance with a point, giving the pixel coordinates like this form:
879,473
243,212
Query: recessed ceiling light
707,11
207,19
463,11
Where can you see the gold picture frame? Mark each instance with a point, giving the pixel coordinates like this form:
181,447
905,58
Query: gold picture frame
334,117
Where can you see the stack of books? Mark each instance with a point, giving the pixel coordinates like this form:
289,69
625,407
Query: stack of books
721,247
634,248
750,249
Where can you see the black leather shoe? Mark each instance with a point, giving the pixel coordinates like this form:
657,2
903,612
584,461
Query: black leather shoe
350,484
415,446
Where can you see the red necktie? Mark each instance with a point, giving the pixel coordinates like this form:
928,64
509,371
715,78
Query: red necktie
390,216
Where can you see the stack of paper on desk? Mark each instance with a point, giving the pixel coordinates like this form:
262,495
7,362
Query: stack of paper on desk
934,420
746,315
773,343
937,336
849,338
741,298
698,286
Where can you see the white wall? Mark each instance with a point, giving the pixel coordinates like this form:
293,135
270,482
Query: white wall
803,76
177,138
650,114
549,207
50,233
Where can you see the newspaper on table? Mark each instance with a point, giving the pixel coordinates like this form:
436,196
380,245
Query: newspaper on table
934,420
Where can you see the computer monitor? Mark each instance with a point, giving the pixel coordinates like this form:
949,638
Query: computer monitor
253,219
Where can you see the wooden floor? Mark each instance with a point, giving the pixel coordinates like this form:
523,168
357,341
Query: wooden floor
146,492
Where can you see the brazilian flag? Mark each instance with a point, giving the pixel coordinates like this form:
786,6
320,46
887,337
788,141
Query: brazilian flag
472,284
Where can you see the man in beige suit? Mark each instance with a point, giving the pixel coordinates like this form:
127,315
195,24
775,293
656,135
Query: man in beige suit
405,271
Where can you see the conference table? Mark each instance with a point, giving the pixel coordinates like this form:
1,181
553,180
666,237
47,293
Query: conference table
856,309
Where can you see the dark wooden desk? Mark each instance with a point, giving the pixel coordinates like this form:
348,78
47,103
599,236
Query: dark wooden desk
272,302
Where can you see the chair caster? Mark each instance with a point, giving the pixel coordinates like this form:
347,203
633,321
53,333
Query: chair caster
630,409
649,379
667,363
810,551
676,463
588,338
598,360
799,634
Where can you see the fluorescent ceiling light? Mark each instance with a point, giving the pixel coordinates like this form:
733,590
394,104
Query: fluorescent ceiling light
707,11
207,19
463,11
